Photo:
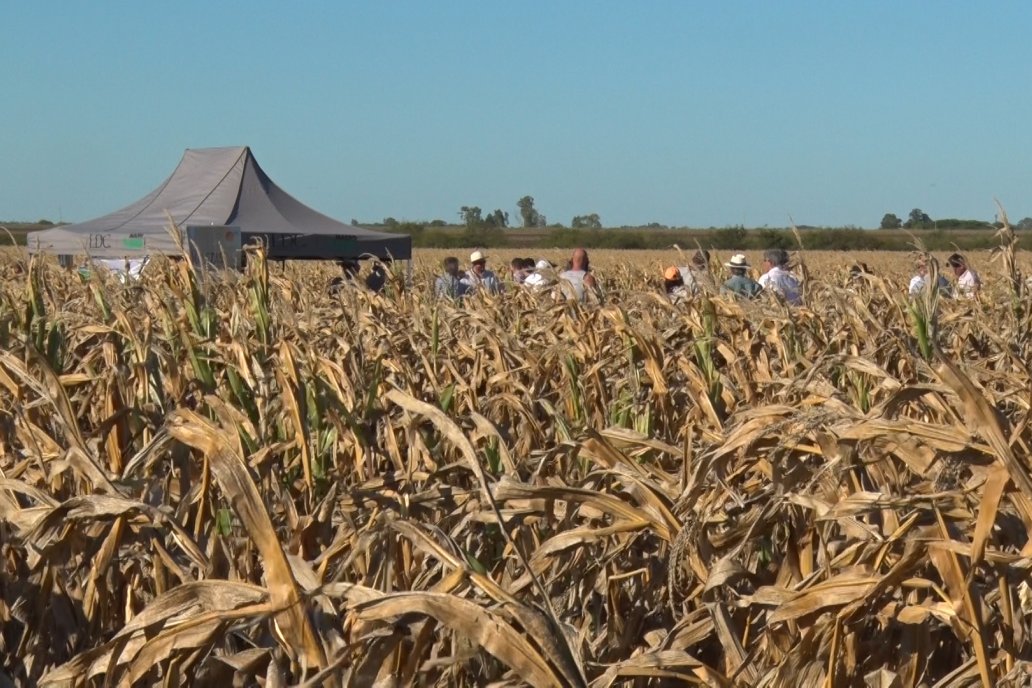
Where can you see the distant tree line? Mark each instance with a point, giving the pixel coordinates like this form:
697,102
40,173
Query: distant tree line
586,230
733,238
918,219
472,217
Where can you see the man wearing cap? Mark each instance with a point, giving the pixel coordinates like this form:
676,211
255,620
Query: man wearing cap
778,279
740,283
479,277
673,285
968,283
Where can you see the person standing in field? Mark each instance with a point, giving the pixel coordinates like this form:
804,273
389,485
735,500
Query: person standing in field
577,280
968,283
349,270
740,284
918,281
542,276
377,278
450,285
519,270
478,277
777,279
673,285
696,276
857,272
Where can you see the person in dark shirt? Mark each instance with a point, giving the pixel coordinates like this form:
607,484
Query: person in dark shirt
349,270
377,278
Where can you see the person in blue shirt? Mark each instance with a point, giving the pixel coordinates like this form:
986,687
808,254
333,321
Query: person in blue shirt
740,284
450,284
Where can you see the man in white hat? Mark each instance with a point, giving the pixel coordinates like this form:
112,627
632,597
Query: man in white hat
740,284
478,276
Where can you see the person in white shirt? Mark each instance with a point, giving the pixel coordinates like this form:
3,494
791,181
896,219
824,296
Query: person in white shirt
543,275
778,279
918,281
479,277
968,283
577,281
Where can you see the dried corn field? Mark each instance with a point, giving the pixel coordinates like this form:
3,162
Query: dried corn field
245,480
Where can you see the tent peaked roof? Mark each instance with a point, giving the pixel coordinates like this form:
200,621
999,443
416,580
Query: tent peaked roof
225,186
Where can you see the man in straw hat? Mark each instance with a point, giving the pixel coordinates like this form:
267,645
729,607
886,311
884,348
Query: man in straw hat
478,277
740,283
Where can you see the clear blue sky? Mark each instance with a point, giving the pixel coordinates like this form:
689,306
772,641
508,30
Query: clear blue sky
686,113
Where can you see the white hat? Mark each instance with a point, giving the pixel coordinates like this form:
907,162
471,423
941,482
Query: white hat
477,256
543,265
737,261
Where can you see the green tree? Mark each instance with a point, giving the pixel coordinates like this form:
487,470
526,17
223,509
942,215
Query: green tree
531,217
471,216
497,219
1024,224
592,221
918,220
890,221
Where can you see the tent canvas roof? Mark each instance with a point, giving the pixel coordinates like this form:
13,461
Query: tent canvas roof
220,186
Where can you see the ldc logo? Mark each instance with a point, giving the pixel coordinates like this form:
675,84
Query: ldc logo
99,240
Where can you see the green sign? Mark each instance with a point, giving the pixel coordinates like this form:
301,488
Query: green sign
136,243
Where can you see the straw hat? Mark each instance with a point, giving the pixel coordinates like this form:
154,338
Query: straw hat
477,256
543,265
737,261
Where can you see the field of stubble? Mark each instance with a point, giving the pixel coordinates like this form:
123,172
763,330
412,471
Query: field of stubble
245,480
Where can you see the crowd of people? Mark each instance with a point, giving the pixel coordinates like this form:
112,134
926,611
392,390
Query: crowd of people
577,282
968,283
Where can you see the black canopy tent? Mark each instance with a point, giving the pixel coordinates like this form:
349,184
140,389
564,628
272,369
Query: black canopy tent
220,187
